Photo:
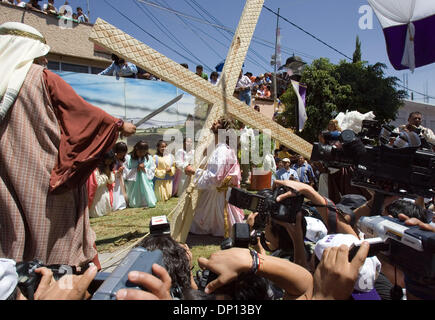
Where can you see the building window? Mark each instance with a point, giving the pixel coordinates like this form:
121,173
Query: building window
96,70
53,65
74,68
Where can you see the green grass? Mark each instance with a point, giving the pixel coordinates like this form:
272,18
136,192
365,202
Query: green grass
122,228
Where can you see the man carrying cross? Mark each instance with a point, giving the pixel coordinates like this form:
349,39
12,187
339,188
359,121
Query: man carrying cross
50,142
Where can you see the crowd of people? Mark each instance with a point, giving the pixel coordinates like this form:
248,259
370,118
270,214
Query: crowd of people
75,169
50,8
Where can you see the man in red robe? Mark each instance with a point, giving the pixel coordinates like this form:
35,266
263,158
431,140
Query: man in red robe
50,142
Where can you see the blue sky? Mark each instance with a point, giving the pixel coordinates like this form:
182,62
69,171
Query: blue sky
333,21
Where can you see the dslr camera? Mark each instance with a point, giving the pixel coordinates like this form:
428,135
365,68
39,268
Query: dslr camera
264,202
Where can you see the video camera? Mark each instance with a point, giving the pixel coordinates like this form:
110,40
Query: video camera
408,247
28,279
384,169
138,259
264,202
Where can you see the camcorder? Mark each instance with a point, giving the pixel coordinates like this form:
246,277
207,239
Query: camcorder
408,247
105,285
388,171
264,202
28,279
382,168
138,259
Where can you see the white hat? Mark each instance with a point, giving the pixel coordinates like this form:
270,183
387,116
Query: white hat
371,268
286,160
8,278
316,229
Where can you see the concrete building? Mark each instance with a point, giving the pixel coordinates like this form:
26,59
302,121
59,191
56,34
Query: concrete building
427,111
71,49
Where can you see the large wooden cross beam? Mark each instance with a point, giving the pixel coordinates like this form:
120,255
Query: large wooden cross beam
125,46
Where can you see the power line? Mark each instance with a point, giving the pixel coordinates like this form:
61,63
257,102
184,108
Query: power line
173,38
308,33
149,34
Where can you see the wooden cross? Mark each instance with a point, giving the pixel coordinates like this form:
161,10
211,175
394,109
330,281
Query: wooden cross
125,46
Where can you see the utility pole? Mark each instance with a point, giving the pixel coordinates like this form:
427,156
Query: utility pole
275,97
89,13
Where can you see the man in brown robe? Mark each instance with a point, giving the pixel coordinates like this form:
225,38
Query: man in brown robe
50,142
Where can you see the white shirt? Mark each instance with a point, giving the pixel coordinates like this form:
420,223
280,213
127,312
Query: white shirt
244,82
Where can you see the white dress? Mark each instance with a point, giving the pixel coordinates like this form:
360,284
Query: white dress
101,203
118,197
182,160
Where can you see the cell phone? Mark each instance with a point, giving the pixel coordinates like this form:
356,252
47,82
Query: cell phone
376,245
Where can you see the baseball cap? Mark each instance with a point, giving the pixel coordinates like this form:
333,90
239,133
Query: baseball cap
316,229
350,202
286,160
8,278
371,268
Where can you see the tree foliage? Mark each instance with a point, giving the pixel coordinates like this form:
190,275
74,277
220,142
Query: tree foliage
339,88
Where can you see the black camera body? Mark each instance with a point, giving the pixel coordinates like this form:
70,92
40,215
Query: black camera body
391,171
241,237
28,279
284,210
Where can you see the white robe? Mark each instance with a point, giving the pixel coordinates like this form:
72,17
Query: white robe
209,214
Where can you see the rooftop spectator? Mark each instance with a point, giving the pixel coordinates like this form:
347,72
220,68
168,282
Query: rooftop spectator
200,72
81,17
50,8
243,88
214,78
33,4
21,4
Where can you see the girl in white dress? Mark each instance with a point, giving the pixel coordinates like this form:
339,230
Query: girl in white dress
100,187
120,200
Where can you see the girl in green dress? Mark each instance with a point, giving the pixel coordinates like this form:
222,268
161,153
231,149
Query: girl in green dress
139,173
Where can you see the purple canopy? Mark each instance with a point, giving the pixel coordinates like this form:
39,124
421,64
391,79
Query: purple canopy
409,29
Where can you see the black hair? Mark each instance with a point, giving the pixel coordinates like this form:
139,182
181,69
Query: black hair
407,208
185,65
412,113
175,259
102,164
214,73
120,147
158,145
247,286
193,294
140,145
199,67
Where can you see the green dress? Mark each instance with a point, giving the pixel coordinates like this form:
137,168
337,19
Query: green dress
139,184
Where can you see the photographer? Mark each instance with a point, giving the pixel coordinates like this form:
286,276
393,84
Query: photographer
177,259
414,125
334,222
68,287
296,281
